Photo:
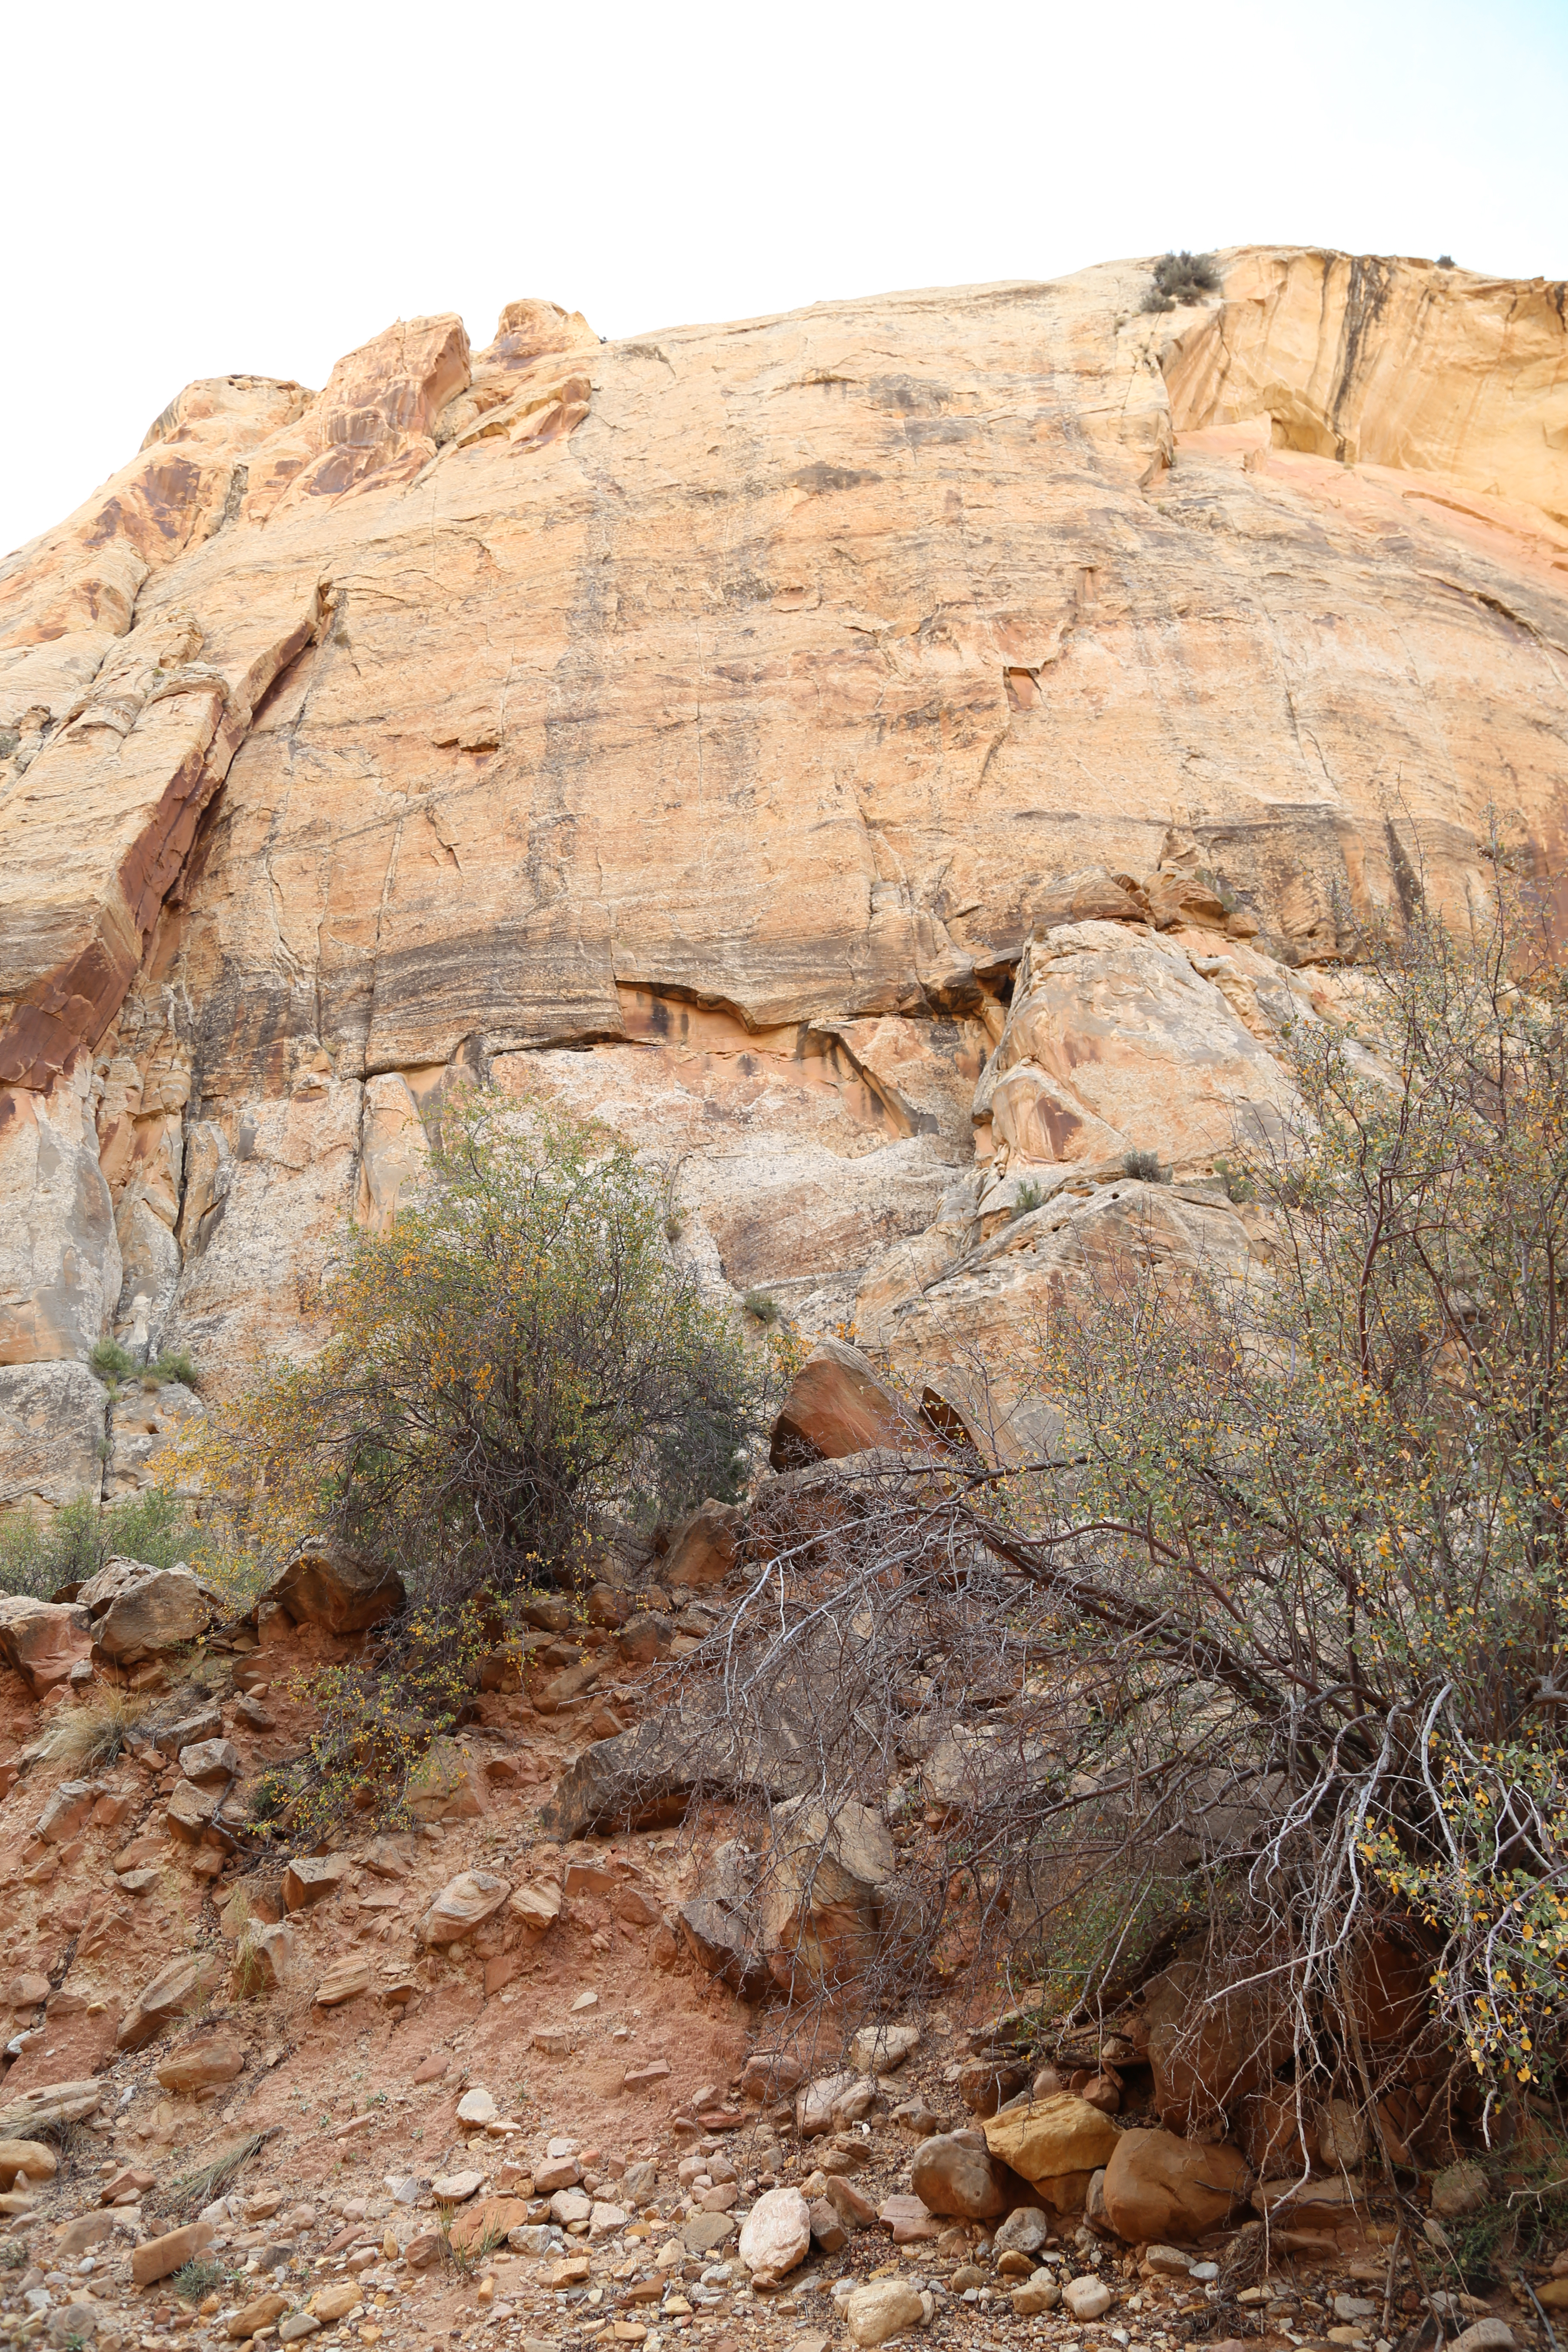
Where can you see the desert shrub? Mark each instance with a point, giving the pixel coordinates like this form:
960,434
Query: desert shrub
93,1734
515,1356
763,1306
112,1363
379,1726
1239,1185
197,2279
1181,277
1263,1656
176,1364
1028,1196
514,1362
39,1556
1145,1168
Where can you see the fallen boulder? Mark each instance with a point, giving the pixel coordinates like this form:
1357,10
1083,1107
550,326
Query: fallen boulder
158,2258
200,2064
775,2237
464,1904
1057,2143
138,1611
827,1903
176,1988
311,1878
50,2103
719,1926
1158,2186
43,1640
703,1550
327,1584
836,1405
210,1761
883,2308
952,2175
27,2159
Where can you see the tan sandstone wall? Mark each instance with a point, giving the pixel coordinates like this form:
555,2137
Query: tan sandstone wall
697,725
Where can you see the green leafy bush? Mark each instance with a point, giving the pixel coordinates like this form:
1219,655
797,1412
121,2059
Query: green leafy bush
39,1556
513,1358
1145,1168
112,1363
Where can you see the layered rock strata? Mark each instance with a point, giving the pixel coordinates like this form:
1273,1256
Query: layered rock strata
704,728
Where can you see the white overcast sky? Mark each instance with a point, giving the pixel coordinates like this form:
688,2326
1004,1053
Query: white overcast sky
196,191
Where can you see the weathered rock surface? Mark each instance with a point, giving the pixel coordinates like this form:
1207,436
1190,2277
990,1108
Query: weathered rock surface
137,1610
836,1405
42,1640
1056,2143
775,2237
330,1584
951,2176
508,796
826,1899
1160,2186
464,1904
174,1990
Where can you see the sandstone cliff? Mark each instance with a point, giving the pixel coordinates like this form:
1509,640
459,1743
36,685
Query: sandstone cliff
704,727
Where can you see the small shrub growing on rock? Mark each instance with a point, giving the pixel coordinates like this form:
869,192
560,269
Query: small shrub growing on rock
761,1307
1181,277
1145,1168
92,1736
1028,1196
112,1363
197,2278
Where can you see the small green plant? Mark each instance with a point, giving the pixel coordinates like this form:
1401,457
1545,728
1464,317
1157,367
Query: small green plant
174,1364
1144,1167
1445,261
39,1557
271,1792
763,1308
12,2254
1239,1185
1028,1196
1181,277
196,2279
111,1361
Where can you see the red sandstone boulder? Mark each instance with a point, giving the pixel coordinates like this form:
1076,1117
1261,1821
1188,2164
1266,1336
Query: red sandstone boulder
1158,2186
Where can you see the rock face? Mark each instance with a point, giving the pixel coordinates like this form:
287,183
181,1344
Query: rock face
709,730
511,791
